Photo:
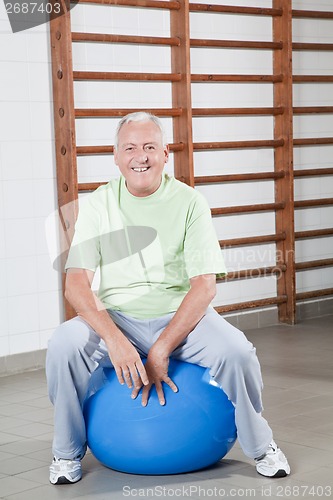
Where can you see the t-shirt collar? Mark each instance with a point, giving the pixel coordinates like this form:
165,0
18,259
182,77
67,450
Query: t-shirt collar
155,194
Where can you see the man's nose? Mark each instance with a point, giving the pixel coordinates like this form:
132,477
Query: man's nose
141,157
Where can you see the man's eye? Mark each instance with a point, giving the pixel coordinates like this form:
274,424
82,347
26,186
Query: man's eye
150,148
129,149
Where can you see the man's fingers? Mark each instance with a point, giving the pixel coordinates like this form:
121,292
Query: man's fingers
160,393
128,378
135,392
142,372
159,390
145,395
134,374
137,382
171,384
119,373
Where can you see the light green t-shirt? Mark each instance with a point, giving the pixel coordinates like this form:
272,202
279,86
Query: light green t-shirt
147,248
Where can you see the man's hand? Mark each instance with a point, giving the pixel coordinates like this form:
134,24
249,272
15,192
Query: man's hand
127,362
157,370
124,356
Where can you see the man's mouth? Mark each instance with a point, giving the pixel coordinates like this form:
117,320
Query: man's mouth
140,169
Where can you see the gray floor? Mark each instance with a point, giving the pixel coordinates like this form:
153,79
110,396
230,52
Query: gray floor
297,369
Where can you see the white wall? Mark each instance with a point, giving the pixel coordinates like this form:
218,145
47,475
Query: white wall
30,298
29,288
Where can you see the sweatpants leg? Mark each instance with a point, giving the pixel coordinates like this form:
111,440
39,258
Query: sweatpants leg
74,352
216,344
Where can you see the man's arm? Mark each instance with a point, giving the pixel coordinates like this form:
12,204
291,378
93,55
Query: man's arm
188,315
124,357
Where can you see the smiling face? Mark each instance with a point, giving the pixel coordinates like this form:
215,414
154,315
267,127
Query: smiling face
141,156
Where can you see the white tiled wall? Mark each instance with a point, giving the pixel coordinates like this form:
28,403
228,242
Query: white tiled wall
30,296
30,305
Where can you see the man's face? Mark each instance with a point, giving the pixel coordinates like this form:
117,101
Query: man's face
141,156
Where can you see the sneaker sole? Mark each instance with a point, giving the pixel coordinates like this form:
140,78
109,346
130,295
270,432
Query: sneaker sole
279,473
64,480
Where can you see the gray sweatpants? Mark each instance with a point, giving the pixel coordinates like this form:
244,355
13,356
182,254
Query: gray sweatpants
75,351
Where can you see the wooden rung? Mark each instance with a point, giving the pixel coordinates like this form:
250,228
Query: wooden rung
109,38
313,172
312,141
313,233
114,112
124,76
304,110
93,150
236,78
212,179
314,293
235,44
273,143
312,46
89,186
278,110
251,304
262,207
312,78
312,264
252,240
253,273
100,150
230,9
151,4
321,202
314,14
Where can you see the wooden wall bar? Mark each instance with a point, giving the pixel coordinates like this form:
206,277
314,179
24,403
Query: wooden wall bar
119,112
283,161
64,127
253,240
253,304
109,38
150,4
312,46
181,93
270,143
314,141
182,113
312,14
314,233
231,9
124,76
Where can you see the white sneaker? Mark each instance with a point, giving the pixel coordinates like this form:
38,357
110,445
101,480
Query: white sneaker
273,463
65,471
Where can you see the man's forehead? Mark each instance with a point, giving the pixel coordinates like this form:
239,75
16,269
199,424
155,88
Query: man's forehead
140,133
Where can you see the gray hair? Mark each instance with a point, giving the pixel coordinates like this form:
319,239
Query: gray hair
139,116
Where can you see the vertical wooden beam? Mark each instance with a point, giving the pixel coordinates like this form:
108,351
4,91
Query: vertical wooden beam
64,128
181,93
284,186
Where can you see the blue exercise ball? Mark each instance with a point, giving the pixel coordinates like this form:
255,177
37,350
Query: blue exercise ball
194,429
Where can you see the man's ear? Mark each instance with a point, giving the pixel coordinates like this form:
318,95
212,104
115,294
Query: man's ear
166,153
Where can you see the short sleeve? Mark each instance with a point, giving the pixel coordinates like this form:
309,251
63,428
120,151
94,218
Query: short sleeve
84,252
202,250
